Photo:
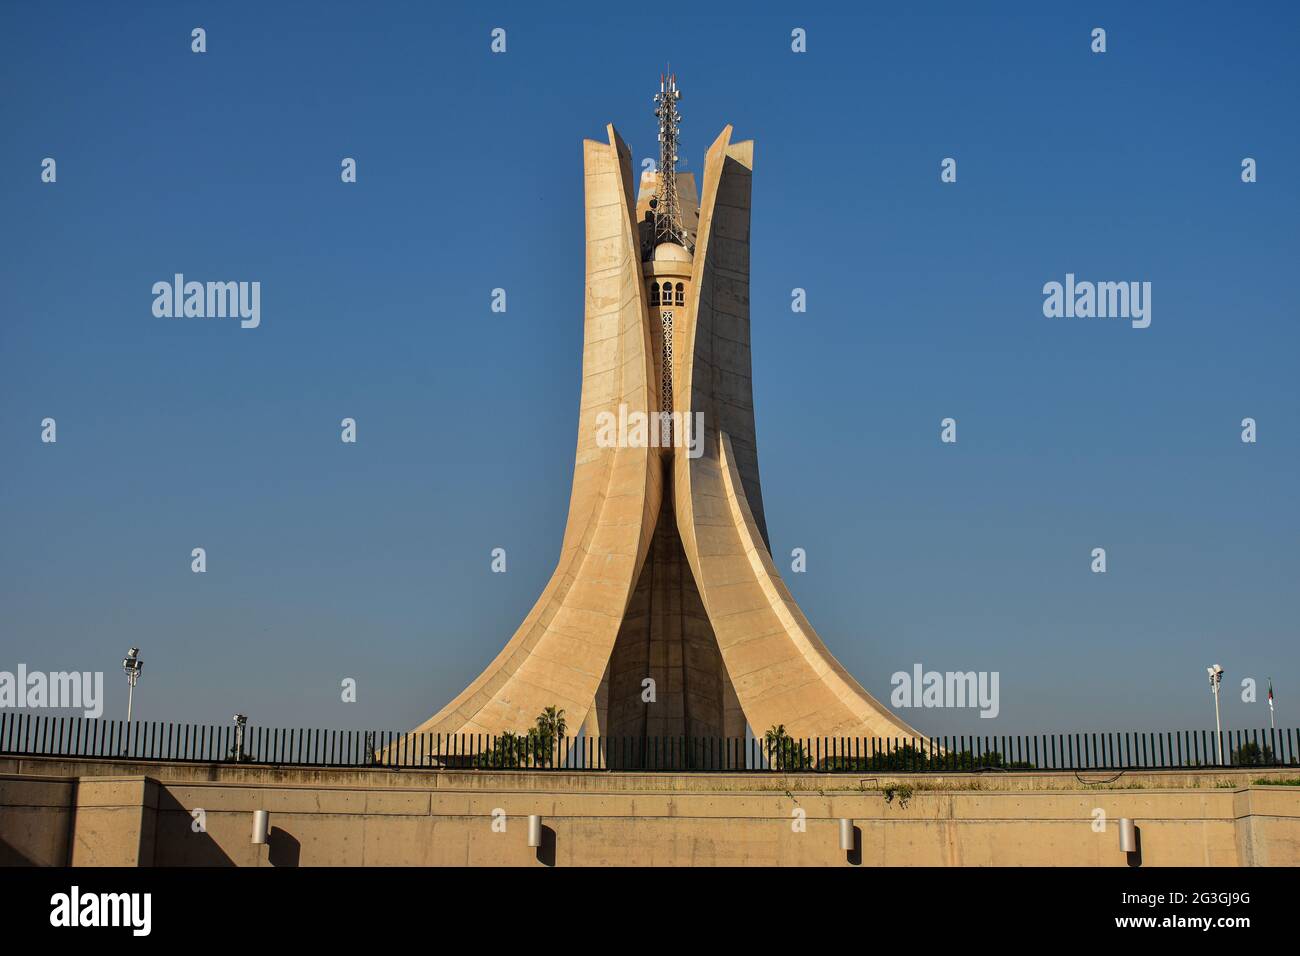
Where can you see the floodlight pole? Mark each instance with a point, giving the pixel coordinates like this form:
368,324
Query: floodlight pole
1216,675
240,723
1218,730
132,665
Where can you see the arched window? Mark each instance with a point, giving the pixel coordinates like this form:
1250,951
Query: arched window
668,293
654,293
681,294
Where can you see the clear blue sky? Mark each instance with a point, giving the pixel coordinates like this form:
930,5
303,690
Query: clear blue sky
371,561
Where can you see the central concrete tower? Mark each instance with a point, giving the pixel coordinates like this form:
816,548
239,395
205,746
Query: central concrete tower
665,615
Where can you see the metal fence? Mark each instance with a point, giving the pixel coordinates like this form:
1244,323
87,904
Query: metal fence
27,734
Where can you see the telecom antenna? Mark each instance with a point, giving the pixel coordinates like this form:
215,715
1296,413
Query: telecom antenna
667,209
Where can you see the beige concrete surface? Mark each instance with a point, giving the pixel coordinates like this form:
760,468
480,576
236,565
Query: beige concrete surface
144,814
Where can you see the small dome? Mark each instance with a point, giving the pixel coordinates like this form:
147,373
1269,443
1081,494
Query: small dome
671,252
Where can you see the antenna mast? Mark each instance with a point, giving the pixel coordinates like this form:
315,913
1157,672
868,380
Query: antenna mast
667,209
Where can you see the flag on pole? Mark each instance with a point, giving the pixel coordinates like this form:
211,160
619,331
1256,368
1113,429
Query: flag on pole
1270,695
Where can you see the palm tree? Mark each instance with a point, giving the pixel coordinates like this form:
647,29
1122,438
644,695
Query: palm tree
550,723
550,728
783,751
775,739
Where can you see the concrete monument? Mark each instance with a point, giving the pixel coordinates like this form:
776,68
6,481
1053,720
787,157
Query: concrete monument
666,615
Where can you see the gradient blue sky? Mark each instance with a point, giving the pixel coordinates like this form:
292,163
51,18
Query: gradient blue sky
371,561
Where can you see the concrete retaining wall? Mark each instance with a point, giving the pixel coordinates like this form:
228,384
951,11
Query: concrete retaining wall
87,813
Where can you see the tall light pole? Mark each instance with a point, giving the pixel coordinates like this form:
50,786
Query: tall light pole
132,665
240,723
1216,675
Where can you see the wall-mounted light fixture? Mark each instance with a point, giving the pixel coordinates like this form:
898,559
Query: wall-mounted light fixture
261,826
1127,836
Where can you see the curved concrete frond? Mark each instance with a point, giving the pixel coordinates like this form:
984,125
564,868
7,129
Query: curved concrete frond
559,653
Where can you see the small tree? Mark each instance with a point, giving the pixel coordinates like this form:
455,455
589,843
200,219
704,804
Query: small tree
783,751
544,738
507,752
1250,754
538,747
